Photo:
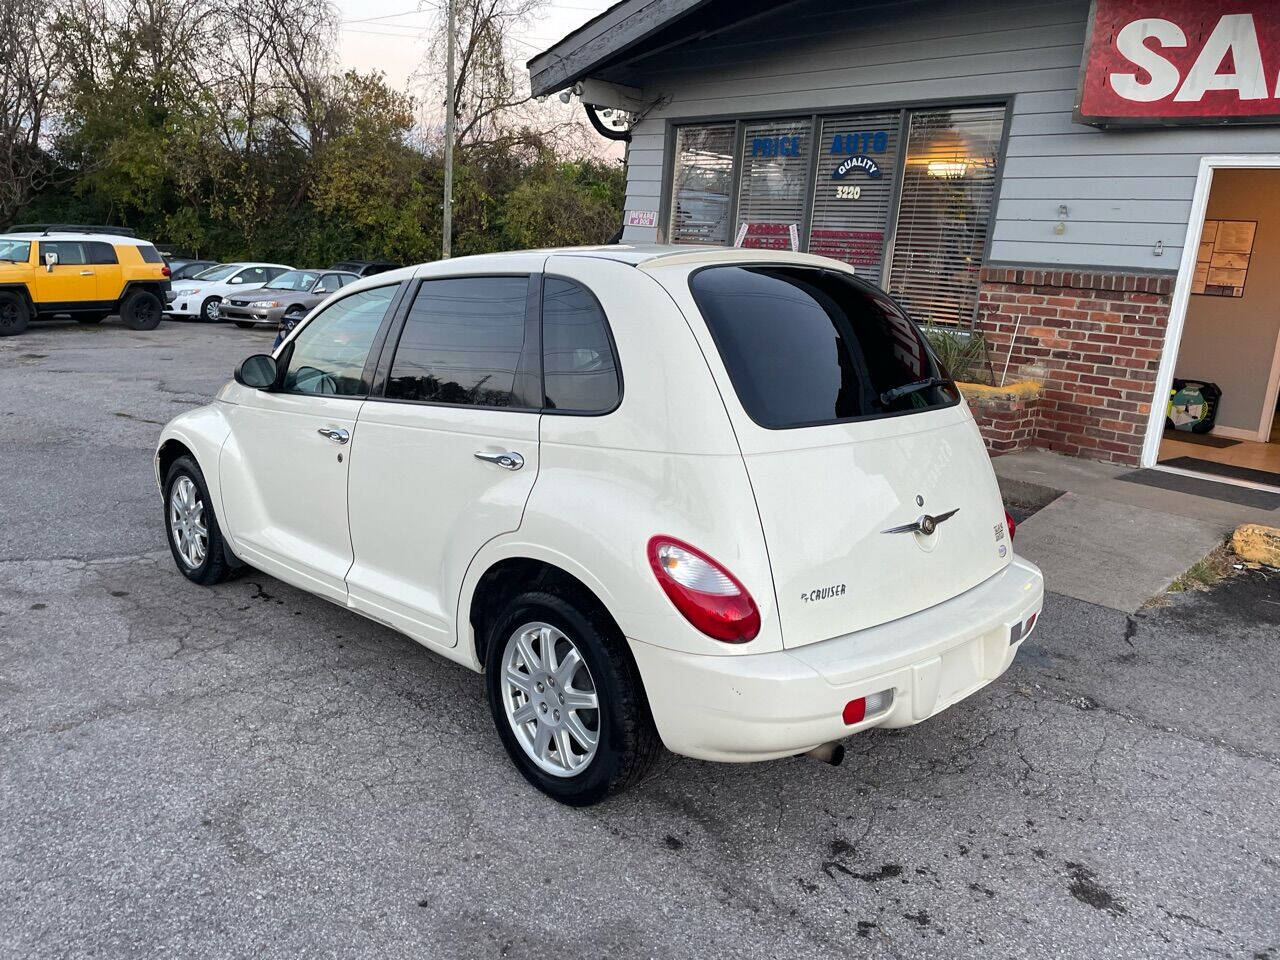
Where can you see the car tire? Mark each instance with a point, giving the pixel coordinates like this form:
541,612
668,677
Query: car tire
205,308
245,324
14,314
141,310
520,641
187,508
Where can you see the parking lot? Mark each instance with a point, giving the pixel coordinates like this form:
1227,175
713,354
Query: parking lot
250,771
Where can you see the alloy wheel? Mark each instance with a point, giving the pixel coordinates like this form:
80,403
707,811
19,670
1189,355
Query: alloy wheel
186,522
550,699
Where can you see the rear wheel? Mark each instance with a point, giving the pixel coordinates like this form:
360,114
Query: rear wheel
209,309
195,538
567,699
141,310
14,314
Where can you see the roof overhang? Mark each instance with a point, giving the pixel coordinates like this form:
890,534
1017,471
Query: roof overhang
603,40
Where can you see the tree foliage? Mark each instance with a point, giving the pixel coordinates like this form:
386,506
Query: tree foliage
221,127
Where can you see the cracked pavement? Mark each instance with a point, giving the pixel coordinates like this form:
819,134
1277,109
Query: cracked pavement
251,771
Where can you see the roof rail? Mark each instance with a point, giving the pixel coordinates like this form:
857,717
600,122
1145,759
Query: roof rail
48,228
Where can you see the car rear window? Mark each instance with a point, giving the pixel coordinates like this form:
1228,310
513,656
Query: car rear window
806,346
149,253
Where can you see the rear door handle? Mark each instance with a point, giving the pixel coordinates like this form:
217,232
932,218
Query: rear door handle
506,458
337,435
86,273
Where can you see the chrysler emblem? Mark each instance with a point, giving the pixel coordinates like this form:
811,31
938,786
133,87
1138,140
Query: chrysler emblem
925,525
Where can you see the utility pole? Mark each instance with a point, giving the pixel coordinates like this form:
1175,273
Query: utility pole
446,241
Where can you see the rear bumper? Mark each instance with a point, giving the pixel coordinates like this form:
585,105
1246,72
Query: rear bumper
770,705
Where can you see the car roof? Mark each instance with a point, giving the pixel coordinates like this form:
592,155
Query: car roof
113,238
645,254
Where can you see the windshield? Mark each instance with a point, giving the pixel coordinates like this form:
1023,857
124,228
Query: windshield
805,346
293,280
17,251
220,272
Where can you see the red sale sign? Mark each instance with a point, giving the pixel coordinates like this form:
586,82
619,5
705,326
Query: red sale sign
1152,62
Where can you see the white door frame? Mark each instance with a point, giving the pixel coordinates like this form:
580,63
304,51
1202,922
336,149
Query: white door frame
1182,294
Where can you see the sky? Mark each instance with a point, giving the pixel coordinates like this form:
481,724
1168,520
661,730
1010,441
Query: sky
391,35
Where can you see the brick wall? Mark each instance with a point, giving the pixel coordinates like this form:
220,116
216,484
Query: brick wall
1007,418
1093,339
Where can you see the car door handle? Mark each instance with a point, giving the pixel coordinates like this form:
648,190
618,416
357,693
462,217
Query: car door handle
507,458
86,273
337,435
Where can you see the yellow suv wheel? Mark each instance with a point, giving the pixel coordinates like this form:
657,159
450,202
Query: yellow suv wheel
14,313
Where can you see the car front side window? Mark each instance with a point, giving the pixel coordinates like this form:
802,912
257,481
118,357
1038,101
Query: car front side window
328,355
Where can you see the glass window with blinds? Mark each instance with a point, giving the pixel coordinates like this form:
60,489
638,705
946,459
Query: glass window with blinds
702,184
853,189
774,185
948,191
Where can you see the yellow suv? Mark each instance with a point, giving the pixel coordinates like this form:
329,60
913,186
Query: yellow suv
88,273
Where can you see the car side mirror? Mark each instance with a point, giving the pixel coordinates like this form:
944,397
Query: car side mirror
259,372
237,280
50,261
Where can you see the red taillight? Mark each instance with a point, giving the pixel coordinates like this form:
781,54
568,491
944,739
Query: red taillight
1010,523
706,594
855,711
166,272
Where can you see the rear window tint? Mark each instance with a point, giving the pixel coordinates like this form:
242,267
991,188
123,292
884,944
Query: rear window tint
579,371
149,253
805,346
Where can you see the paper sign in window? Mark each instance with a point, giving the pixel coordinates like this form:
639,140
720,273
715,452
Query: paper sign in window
1222,261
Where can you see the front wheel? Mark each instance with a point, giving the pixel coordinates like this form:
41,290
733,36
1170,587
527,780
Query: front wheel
195,539
141,310
14,314
567,699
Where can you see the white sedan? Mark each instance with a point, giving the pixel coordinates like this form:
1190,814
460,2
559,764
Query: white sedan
201,295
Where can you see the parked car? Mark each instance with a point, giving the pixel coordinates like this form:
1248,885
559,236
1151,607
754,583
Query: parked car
287,297
365,268
86,272
201,295
722,500
189,269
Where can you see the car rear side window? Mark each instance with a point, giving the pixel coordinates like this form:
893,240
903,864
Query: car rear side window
463,343
149,253
806,346
580,374
99,252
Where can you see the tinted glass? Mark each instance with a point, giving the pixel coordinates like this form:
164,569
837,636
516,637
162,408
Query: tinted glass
579,371
69,252
98,252
330,352
293,280
17,251
253,275
805,346
149,253
462,342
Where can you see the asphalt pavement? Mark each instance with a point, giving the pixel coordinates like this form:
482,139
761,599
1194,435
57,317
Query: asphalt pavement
250,771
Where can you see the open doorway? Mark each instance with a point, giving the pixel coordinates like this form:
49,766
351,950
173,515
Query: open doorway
1221,420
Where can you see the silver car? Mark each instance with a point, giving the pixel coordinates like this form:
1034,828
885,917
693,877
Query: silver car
287,297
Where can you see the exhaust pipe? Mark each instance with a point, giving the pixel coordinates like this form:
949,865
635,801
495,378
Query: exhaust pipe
832,753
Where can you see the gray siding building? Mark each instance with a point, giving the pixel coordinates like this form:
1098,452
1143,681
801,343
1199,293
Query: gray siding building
943,149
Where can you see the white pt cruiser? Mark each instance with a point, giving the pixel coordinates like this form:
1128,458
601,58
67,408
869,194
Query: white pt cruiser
721,500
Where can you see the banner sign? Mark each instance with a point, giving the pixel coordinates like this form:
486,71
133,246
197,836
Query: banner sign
1180,62
768,236
861,248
